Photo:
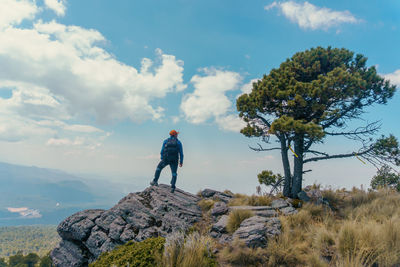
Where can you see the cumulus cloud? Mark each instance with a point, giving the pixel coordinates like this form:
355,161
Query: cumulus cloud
13,12
61,73
230,122
25,212
247,87
394,77
209,99
309,16
58,6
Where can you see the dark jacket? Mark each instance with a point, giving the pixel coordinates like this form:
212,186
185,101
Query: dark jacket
180,149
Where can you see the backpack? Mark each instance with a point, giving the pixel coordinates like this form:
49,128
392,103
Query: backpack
171,149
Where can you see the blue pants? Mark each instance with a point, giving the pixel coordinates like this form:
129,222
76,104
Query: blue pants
174,167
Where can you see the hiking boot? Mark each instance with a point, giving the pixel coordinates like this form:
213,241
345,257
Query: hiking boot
172,189
153,183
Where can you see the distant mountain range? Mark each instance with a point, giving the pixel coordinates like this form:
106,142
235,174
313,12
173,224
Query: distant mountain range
32,195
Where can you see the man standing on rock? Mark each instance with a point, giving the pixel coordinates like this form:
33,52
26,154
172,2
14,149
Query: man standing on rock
171,153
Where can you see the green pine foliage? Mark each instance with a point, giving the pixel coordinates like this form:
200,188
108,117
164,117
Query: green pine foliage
27,239
138,254
313,95
385,177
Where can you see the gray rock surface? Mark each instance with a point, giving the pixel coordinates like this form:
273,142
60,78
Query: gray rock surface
220,227
264,211
153,212
256,230
252,208
216,195
288,211
303,196
279,203
219,208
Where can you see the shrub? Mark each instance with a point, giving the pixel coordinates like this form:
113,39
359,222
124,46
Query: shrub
195,251
236,217
385,177
138,254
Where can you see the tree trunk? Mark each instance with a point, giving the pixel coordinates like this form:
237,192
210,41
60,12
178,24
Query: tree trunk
298,166
287,187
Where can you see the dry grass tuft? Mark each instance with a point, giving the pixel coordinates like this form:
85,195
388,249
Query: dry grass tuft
239,254
194,251
206,204
253,200
324,243
236,217
288,249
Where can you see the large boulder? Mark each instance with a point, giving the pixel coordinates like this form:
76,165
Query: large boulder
154,212
255,231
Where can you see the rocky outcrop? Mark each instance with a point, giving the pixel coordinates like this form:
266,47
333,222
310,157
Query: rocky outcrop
153,212
256,230
313,195
216,195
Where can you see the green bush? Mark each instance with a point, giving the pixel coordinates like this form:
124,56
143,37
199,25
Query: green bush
138,254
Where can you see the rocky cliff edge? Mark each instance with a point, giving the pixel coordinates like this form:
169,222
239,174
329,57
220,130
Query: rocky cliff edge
153,212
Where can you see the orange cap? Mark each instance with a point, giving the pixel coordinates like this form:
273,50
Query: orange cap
173,132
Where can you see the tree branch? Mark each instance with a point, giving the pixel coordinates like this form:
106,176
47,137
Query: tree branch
316,152
338,156
342,114
260,148
264,120
366,130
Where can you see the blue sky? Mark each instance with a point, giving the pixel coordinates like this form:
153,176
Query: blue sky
94,86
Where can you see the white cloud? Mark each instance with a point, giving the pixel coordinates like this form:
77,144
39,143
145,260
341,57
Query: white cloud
82,128
26,212
246,88
309,16
13,12
79,141
230,123
394,77
59,73
66,61
58,6
208,99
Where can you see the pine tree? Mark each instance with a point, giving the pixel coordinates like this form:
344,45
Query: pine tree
311,96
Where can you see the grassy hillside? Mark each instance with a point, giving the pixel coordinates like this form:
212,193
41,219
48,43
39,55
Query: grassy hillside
28,239
362,228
